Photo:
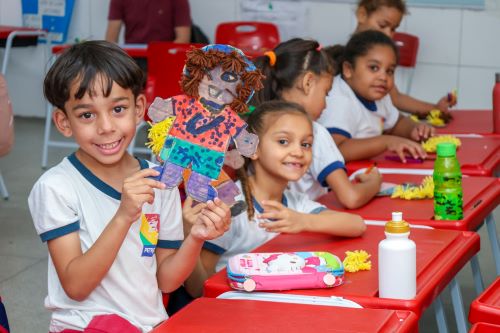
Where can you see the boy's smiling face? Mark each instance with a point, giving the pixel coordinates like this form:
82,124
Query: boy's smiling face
103,127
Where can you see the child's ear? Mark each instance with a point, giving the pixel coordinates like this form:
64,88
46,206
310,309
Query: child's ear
140,108
61,122
361,15
347,70
308,81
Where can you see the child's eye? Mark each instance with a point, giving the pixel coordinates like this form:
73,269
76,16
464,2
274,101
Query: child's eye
86,115
118,109
374,68
283,141
307,145
390,72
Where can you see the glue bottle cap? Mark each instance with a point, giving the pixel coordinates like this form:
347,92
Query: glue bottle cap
397,225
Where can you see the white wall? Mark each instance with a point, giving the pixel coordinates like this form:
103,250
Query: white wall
458,48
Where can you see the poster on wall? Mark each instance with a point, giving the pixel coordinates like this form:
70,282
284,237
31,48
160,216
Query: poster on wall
291,17
51,15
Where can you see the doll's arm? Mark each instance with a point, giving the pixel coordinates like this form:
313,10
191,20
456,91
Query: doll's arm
160,109
246,143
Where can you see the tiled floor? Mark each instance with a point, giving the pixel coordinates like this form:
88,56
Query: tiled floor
23,257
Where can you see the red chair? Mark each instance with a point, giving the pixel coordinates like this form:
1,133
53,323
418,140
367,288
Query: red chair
253,38
408,49
484,328
486,307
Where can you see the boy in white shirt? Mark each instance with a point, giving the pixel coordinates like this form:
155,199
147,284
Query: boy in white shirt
114,234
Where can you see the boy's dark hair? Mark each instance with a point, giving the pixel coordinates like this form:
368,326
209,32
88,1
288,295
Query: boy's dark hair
373,5
293,58
84,63
359,45
258,122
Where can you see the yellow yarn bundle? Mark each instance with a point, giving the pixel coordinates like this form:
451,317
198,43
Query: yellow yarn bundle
158,133
357,261
434,118
430,145
425,190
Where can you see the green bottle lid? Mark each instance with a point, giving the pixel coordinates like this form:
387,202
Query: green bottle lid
446,149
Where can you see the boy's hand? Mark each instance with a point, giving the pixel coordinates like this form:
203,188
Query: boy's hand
282,218
213,221
136,191
190,213
422,131
246,143
401,145
234,159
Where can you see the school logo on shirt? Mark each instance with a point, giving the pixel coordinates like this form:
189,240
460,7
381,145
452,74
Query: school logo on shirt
150,224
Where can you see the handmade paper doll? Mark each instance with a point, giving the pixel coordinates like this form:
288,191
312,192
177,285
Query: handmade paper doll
218,81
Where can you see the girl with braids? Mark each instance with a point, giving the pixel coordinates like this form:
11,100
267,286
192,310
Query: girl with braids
283,155
360,114
385,16
300,71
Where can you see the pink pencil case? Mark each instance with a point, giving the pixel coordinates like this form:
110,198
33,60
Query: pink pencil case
284,271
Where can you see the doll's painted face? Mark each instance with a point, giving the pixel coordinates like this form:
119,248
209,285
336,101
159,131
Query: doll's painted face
218,88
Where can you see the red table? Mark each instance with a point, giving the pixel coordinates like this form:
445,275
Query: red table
481,195
485,328
477,157
469,122
222,315
486,308
440,256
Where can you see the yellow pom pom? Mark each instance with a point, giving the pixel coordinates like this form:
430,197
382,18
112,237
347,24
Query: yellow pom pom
435,118
425,190
158,133
414,117
357,261
430,145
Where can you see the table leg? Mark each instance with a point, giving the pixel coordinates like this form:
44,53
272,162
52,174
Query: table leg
476,273
440,316
458,306
492,233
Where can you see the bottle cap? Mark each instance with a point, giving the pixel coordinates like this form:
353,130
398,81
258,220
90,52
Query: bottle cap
446,149
397,225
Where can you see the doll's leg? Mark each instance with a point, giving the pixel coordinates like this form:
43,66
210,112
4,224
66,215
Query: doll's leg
198,187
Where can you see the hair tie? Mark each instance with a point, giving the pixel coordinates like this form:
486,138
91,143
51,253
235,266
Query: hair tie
272,57
319,47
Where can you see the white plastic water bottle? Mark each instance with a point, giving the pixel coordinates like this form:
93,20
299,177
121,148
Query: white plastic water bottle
397,263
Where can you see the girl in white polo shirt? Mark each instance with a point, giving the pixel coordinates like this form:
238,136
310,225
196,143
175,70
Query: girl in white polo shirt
359,113
283,155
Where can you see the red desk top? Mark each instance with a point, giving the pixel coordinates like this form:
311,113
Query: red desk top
222,315
486,307
477,157
480,194
484,328
440,256
133,50
469,122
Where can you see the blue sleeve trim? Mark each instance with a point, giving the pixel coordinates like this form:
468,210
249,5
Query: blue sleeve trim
62,231
335,130
213,248
169,244
328,170
318,210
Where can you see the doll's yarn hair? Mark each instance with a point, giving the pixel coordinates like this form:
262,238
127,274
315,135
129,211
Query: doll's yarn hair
199,61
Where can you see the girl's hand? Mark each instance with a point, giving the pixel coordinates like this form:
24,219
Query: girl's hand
190,213
373,176
401,145
137,190
282,218
422,131
212,221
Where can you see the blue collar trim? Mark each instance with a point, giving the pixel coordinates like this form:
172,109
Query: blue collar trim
370,105
95,181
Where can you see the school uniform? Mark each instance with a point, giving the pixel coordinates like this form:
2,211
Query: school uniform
354,117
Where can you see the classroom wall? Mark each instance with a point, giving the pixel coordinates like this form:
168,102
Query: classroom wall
458,48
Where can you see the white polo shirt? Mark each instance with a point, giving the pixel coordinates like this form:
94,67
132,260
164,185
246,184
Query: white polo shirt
353,117
326,159
70,198
244,235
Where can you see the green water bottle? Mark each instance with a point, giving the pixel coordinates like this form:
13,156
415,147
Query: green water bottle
448,201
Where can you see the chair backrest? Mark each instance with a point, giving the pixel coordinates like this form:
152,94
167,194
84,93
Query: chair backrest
253,38
408,48
165,63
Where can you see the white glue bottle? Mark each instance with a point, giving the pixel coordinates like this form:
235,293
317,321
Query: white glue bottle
397,264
